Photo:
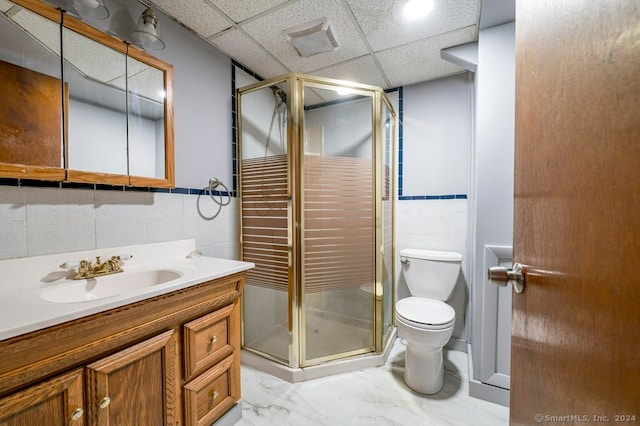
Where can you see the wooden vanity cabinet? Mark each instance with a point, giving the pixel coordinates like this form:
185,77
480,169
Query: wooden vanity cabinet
49,403
212,366
168,360
134,386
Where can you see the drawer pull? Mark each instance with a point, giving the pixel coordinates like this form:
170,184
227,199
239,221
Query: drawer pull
104,402
213,394
76,414
213,339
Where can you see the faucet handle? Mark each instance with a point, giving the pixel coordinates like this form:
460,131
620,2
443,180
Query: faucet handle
125,256
70,264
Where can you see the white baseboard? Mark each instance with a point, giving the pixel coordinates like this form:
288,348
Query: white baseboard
484,391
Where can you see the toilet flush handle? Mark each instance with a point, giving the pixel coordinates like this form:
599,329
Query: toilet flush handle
501,276
405,261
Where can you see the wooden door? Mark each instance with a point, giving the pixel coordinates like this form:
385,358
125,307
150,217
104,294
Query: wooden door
135,386
576,327
54,402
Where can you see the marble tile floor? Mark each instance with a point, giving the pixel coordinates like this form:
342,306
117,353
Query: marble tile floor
368,397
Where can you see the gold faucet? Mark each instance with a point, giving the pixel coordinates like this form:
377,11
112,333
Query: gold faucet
88,270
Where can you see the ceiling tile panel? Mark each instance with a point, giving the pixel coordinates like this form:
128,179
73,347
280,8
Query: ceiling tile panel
244,50
252,33
385,26
420,60
360,70
239,10
268,31
195,14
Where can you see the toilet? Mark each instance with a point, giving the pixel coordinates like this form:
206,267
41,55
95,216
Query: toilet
424,319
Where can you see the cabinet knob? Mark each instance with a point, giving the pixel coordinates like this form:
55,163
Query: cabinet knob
213,394
76,414
213,339
104,402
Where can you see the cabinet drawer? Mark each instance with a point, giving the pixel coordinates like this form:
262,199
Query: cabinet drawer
206,341
210,395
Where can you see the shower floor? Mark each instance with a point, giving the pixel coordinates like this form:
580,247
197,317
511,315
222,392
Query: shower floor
326,335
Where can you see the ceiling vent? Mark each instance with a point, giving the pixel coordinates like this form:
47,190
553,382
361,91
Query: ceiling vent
312,37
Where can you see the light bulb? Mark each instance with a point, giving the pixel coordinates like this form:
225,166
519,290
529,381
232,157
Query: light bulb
416,9
89,3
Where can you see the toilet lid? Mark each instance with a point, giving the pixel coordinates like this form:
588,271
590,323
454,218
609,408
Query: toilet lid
425,311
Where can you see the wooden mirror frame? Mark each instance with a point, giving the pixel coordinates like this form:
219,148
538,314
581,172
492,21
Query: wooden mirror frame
21,171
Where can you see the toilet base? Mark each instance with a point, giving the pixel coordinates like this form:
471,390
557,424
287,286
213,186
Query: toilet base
424,370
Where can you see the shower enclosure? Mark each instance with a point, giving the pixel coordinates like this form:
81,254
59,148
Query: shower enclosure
316,218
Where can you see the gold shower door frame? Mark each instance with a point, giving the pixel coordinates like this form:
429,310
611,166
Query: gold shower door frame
295,84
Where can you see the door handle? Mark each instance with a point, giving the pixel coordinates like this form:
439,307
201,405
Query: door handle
501,276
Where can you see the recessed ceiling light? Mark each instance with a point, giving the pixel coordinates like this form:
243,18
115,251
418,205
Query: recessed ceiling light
416,9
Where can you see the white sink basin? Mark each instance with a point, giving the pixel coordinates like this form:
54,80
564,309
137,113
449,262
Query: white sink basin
108,286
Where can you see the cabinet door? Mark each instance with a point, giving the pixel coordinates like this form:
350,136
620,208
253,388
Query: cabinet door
54,402
135,386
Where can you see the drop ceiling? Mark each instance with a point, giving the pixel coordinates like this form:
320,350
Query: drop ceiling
377,45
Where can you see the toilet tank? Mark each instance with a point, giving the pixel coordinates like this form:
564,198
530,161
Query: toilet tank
430,273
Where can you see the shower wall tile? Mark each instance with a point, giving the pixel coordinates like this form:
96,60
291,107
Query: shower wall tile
12,204
13,239
164,205
53,203
119,231
432,224
159,229
58,235
59,220
222,229
227,250
36,221
116,204
203,231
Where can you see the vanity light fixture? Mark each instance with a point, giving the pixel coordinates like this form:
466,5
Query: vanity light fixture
312,37
91,8
94,8
146,33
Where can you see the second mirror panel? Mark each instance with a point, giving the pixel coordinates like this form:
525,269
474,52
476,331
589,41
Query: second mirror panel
146,119
95,77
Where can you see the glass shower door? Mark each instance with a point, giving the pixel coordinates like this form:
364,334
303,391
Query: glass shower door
338,225
387,190
265,221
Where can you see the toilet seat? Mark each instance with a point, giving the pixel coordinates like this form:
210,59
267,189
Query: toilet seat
425,313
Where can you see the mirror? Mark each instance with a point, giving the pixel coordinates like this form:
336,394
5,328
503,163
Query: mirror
116,102
95,76
147,93
31,92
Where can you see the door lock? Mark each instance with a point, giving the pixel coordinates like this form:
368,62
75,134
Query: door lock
501,276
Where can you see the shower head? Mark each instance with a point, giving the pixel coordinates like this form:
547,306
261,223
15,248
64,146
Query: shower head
279,93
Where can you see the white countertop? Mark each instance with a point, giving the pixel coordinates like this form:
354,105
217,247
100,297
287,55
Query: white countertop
24,281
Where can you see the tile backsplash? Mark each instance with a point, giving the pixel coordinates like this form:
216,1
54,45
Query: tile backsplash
40,220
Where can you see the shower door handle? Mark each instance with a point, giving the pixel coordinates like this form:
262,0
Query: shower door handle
501,276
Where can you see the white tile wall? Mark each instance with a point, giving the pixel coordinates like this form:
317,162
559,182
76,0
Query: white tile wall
37,221
13,232
59,220
435,225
